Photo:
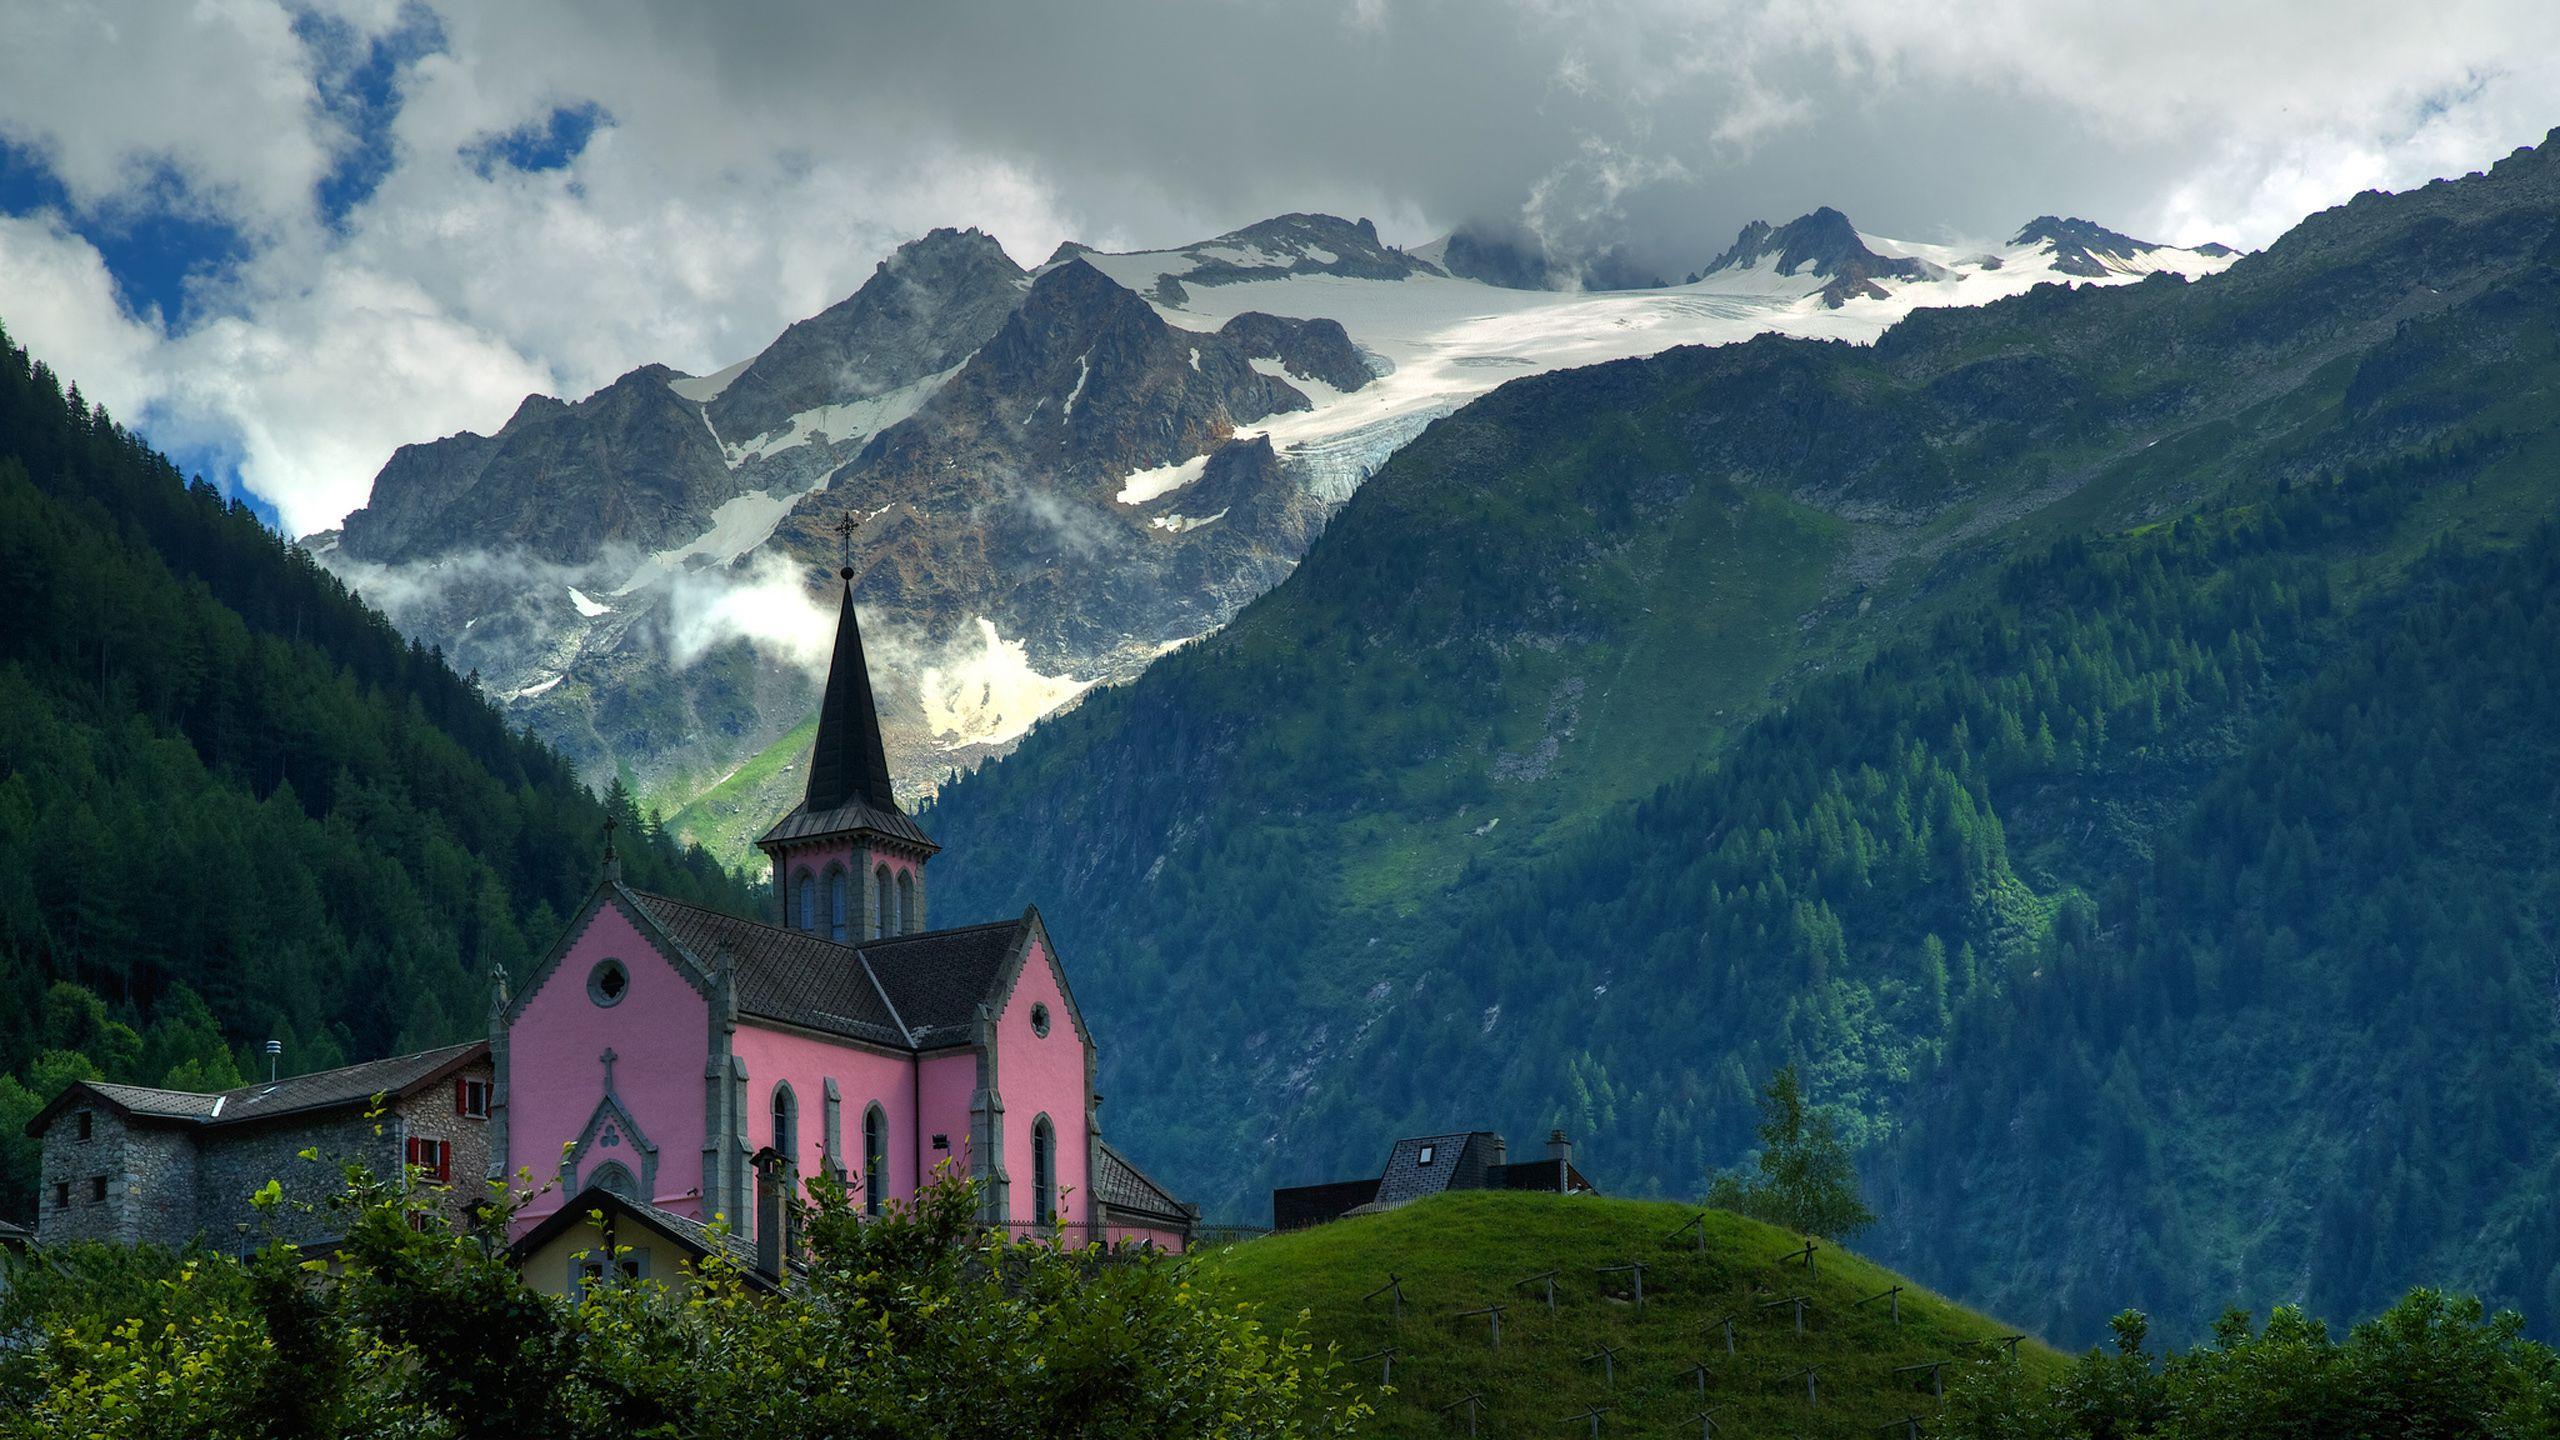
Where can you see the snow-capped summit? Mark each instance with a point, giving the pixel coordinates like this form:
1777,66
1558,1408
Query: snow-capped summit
1823,244
2092,252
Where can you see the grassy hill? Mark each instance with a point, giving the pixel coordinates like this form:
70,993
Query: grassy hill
1463,1252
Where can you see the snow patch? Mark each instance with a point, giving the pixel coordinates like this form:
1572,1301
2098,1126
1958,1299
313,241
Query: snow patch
1084,372
541,687
854,420
587,607
991,697
1141,486
704,389
1178,524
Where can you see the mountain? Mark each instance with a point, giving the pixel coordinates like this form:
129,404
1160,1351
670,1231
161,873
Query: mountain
1975,718
1822,244
632,574
2086,250
1461,1252
235,805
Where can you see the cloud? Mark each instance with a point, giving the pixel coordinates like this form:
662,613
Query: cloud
442,207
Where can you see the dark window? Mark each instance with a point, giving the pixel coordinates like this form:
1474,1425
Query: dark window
608,982
1040,1020
471,1098
908,923
88,1124
1044,1171
804,898
875,1158
62,1195
786,1127
433,1159
886,923
97,1188
835,905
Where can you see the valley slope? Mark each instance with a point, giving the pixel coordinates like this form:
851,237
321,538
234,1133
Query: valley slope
1977,719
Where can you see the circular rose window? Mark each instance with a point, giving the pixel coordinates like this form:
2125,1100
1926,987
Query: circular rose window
608,982
1040,1020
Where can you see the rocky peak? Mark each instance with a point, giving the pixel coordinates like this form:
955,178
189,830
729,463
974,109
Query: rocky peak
2082,248
924,309
560,482
1825,245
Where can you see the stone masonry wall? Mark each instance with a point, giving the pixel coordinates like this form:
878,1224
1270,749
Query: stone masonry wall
430,1115
237,1160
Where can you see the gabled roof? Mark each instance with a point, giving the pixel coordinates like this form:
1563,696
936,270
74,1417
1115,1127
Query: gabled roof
396,1075
1123,1186
696,1238
939,978
914,992
783,974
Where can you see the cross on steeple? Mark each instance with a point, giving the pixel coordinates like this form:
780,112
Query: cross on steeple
845,527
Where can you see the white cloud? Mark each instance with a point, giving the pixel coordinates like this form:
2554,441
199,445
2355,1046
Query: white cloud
756,160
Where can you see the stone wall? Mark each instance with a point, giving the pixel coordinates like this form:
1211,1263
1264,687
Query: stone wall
236,1160
149,1174
430,1115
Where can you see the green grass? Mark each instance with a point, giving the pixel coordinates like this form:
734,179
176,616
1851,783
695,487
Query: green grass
1464,1251
727,817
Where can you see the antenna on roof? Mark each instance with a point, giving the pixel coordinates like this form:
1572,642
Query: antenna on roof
275,1057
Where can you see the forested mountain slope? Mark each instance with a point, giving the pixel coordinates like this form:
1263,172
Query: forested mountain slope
234,804
1641,728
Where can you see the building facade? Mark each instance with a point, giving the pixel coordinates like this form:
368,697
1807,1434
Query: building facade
136,1165
1420,1166
659,1049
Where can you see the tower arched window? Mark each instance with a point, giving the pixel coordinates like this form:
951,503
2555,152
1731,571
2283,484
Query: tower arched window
835,903
804,900
1044,1171
908,924
875,1158
613,1177
888,903
786,1124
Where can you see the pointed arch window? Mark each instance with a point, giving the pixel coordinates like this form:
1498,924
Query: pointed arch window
908,924
615,1178
804,901
835,903
1044,1171
875,1158
786,1124
888,903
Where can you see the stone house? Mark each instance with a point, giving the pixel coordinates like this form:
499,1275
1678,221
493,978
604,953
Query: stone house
138,1165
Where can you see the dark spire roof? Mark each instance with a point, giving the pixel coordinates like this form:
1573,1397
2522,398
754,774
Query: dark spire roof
849,763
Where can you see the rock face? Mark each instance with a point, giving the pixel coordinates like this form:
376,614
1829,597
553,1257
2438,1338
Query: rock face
1824,244
558,481
2083,249
926,309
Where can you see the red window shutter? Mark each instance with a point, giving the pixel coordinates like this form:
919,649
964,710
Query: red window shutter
461,1105
444,1162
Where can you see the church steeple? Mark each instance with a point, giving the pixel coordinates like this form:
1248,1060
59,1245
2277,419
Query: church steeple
848,863
849,762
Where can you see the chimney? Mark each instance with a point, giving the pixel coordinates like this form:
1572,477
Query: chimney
1501,1152
769,1215
275,1059
1558,1147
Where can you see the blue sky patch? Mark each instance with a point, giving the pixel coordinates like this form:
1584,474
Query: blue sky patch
546,144
153,245
359,82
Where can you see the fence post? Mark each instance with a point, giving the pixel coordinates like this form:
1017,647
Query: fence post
1394,1287
1387,1357
1607,1355
1548,1276
1471,1400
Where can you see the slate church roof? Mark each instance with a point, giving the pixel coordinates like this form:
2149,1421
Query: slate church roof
1123,1186
914,992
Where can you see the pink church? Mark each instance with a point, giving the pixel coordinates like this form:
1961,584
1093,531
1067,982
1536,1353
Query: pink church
660,1049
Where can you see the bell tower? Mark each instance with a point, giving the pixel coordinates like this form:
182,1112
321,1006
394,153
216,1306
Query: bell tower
848,863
